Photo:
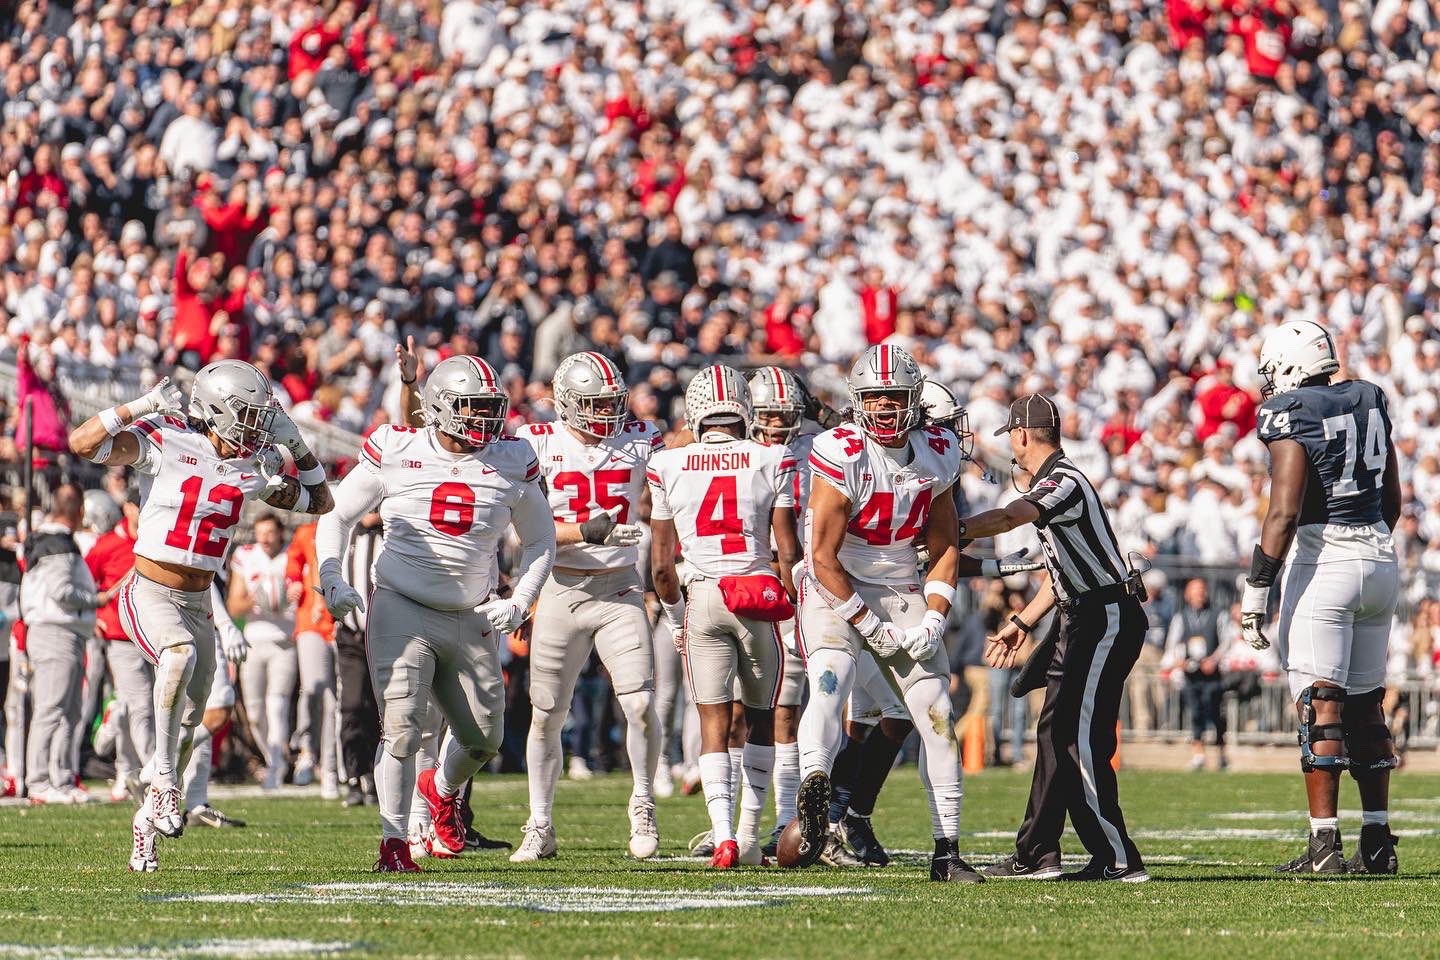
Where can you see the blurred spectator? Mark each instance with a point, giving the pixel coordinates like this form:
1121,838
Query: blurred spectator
1193,649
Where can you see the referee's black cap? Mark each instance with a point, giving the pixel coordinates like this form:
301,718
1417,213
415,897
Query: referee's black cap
1034,410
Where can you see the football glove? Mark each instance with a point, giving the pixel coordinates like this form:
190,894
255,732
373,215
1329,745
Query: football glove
882,636
1011,563
675,617
163,397
602,530
288,436
921,642
233,643
504,615
340,598
1254,600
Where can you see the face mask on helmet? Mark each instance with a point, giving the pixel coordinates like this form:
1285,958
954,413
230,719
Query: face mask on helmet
775,424
602,416
886,414
959,424
477,421
248,429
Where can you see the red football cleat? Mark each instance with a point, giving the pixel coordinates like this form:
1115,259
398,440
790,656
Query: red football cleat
444,815
395,857
727,855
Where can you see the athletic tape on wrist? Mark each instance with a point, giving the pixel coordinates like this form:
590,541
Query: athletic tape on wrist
1263,568
312,476
674,612
868,624
846,609
1254,598
939,588
111,419
302,502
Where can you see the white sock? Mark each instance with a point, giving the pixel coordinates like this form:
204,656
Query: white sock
929,704
787,781
737,763
172,676
719,801
754,786
456,766
394,782
197,771
542,761
831,675
1373,817
1323,823
642,740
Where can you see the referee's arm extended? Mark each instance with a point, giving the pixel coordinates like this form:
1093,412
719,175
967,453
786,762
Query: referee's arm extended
1003,646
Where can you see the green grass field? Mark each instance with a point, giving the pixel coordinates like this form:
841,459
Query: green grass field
297,882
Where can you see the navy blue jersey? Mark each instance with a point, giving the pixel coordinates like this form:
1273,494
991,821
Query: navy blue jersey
1345,430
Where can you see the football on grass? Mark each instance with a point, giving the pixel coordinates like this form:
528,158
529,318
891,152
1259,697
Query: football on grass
787,848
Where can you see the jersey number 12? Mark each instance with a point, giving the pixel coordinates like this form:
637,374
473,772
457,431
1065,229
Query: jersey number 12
1374,452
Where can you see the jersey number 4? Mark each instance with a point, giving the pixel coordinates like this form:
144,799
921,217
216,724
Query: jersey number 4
872,523
719,515
1374,452
205,541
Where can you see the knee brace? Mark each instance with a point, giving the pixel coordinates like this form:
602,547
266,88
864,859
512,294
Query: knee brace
1366,735
1312,732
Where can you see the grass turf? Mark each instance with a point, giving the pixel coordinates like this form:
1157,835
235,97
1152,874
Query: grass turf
297,881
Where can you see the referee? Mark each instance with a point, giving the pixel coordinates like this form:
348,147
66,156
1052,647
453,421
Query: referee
1102,627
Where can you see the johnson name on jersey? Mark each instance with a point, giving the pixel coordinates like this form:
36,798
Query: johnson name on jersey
889,498
190,498
1345,431
720,496
444,513
582,480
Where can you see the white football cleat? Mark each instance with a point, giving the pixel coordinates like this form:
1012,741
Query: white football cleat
750,853
579,769
644,834
164,805
143,856
418,847
78,794
119,792
539,843
52,796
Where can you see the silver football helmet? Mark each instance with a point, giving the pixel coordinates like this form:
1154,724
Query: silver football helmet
943,410
102,513
234,401
1293,353
776,393
717,393
885,373
463,399
591,395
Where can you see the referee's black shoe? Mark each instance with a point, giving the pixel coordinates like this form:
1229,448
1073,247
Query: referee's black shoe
1013,868
946,866
812,809
1095,870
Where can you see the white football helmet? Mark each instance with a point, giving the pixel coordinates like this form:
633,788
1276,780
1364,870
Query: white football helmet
884,369
717,393
1293,353
463,399
234,400
102,513
943,410
777,392
591,395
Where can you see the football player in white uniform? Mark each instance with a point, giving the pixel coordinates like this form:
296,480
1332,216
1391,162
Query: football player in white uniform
196,472
721,499
594,463
231,650
879,487
446,494
258,595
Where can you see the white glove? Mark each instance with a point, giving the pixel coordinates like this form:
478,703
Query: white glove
675,617
272,468
163,397
921,642
1008,564
882,636
340,598
1253,603
23,671
233,642
288,436
504,615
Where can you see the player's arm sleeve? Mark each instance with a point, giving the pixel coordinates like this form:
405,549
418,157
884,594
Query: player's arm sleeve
223,621
359,493
659,501
151,440
785,482
536,529
1059,499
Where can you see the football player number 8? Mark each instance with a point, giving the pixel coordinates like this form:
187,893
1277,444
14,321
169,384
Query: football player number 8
452,508
205,542
1374,452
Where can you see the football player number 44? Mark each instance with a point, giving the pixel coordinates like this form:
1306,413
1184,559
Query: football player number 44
1373,452
209,539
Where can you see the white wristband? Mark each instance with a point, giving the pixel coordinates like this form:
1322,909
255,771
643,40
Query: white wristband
848,608
868,624
312,476
1254,599
939,588
302,502
111,419
675,614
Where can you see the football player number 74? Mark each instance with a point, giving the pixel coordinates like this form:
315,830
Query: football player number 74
1374,450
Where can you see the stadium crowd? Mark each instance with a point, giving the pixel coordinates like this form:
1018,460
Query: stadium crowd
1106,202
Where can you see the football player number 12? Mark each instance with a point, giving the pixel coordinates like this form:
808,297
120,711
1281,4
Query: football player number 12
1374,450
209,539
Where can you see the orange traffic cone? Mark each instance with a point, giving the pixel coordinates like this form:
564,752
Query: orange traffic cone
1115,760
972,747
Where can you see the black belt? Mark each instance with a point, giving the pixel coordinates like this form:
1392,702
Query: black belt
1110,593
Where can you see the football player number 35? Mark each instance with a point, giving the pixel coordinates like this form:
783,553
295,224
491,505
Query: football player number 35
1373,452
209,539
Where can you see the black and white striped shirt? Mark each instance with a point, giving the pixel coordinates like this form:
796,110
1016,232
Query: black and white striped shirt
359,564
1080,548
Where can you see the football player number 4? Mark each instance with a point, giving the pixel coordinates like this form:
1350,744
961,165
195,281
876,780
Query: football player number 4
209,539
1373,452
720,515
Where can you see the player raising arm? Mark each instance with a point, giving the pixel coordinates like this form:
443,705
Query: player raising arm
196,472
445,493
1334,499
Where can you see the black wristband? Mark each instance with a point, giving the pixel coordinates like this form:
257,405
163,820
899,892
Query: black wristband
1025,628
1263,568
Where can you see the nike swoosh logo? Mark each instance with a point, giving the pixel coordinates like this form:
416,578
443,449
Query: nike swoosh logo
248,476
486,471
1113,874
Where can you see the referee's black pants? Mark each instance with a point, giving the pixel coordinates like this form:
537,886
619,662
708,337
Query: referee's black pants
1075,737
359,714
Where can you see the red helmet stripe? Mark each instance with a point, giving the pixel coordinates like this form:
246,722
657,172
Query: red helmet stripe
719,383
779,384
607,370
884,361
483,369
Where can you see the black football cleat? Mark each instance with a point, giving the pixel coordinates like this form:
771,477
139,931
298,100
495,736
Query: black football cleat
1097,871
208,816
1013,868
475,840
812,809
1324,856
857,831
947,867
1377,851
